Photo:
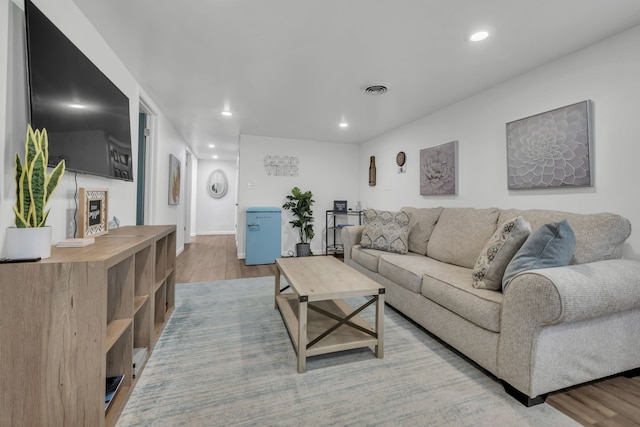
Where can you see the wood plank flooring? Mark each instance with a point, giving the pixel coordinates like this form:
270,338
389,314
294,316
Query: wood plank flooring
614,402
209,258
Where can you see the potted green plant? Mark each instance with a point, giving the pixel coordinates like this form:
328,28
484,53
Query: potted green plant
300,203
31,238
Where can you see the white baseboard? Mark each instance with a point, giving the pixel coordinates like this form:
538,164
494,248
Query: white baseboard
214,233
242,255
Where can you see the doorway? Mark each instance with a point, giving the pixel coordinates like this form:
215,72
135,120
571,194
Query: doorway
188,160
142,156
145,183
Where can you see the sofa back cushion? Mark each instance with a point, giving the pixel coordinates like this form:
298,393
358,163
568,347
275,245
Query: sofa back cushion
421,225
461,233
599,236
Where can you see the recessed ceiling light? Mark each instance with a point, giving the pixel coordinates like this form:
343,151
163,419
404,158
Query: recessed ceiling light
212,145
214,157
344,125
78,106
478,36
227,113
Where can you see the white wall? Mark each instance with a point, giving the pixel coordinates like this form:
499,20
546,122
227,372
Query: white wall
606,73
195,166
13,122
166,141
329,170
6,178
215,216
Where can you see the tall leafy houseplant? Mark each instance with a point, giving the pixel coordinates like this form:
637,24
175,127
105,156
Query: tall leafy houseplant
33,185
300,204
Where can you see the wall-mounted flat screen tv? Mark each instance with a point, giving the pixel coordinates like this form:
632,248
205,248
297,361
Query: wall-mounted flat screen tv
86,116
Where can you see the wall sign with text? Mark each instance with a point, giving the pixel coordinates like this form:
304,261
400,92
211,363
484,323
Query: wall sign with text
94,213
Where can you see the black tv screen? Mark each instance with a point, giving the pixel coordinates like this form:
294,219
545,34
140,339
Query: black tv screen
86,116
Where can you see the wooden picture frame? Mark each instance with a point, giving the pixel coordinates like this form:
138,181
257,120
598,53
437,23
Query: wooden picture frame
93,217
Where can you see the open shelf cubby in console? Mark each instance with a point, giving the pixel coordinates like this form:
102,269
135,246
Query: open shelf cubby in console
69,322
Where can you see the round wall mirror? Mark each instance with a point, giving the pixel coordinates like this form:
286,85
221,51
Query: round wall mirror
217,184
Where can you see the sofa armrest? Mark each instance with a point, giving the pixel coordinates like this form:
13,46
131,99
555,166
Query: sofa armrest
552,296
350,236
576,292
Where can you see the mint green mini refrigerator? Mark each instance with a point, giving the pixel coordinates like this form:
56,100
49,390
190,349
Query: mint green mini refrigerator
263,235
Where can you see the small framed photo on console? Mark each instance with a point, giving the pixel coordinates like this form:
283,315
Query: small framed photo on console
340,206
93,216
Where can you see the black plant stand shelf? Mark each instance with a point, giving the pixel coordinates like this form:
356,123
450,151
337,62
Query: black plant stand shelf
334,222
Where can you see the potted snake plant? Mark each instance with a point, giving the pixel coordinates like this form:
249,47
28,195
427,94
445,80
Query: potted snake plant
300,204
31,238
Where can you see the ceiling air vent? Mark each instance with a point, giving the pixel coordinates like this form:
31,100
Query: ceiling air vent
375,89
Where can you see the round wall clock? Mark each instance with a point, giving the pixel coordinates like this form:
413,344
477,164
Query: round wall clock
401,158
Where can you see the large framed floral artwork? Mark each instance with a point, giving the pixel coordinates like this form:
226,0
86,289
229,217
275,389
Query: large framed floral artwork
551,149
438,170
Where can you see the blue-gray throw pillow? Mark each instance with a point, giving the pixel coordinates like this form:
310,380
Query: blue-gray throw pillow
551,245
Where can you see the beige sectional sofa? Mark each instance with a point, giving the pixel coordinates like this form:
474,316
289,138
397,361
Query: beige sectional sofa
552,328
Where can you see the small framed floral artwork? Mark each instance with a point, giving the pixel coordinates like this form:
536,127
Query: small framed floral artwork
551,149
94,212
438,170
174,180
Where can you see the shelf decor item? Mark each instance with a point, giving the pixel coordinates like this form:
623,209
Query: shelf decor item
551,149
300,204
31,238
94,214
340,206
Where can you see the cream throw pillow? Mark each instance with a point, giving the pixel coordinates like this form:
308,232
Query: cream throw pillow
498,252
386,231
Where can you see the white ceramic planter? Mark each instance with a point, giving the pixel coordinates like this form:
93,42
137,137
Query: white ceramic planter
25,243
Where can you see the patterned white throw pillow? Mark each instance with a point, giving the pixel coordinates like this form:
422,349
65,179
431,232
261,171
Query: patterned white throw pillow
386,231
498,252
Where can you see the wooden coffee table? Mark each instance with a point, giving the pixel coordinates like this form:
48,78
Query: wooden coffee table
319,321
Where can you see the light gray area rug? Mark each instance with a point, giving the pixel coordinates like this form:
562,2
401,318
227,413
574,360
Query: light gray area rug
225,359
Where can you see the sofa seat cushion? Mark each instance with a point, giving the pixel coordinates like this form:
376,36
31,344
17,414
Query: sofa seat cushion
367,258
452,287
599,236
406,270
461,233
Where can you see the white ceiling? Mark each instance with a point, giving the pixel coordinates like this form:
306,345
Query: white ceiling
294,68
